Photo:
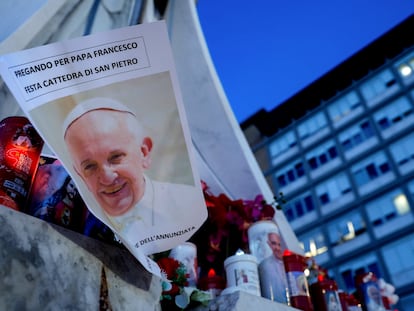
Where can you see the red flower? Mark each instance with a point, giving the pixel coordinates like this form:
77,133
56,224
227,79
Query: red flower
169,266
228,221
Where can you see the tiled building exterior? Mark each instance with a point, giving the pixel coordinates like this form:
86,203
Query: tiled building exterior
342,153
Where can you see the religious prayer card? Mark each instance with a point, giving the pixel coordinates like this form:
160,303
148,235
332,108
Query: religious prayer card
109,107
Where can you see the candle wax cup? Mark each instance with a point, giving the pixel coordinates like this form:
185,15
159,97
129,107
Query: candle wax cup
242,272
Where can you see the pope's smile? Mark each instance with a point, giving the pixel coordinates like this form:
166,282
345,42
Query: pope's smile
113,190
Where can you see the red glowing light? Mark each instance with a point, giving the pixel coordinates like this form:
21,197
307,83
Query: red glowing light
287,253
211,273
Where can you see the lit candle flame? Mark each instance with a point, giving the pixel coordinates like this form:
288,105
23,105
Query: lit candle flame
211,273
239,252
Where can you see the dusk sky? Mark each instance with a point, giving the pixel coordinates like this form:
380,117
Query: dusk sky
266,51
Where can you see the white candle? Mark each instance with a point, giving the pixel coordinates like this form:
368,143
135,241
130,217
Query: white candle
186,253
241,272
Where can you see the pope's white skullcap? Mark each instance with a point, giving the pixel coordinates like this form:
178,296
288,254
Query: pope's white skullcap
273,230
96,103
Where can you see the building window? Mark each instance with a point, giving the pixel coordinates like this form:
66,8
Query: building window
321,155
333,189
346,228
406,67
378,85
358,266
356,135
289,174
393,113
388,207
299,206
398,258
402,151
370,169
344,106
411,189
313,243
282,144
312,125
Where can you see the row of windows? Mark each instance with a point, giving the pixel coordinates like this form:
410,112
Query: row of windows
363,172
368,175
350,105
356,135
359,136
398,265
347,272
392,207
370,168
299,206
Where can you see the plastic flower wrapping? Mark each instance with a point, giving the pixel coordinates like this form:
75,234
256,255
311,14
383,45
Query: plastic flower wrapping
176,294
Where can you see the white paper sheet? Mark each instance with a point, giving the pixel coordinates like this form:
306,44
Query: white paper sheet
132,66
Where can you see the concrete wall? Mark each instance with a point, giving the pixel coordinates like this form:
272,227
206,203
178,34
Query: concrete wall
47,267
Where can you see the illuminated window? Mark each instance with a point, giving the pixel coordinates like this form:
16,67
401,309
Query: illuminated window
346,228
405,70
388,207
401,204
313,243
406,67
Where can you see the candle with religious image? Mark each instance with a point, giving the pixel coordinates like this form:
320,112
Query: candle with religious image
258,238
325,295
299,296
186,253
368,291
20,147
266,244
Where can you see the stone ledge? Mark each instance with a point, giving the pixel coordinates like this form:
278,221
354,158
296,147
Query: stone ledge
46,267
243,301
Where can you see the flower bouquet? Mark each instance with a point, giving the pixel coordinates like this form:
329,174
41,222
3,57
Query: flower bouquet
176,294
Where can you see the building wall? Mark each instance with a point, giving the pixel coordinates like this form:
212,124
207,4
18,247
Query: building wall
347,171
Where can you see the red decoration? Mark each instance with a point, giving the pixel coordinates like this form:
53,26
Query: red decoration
212,281
295,266
225,230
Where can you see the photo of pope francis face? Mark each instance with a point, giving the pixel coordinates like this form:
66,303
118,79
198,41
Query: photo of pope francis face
109,152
